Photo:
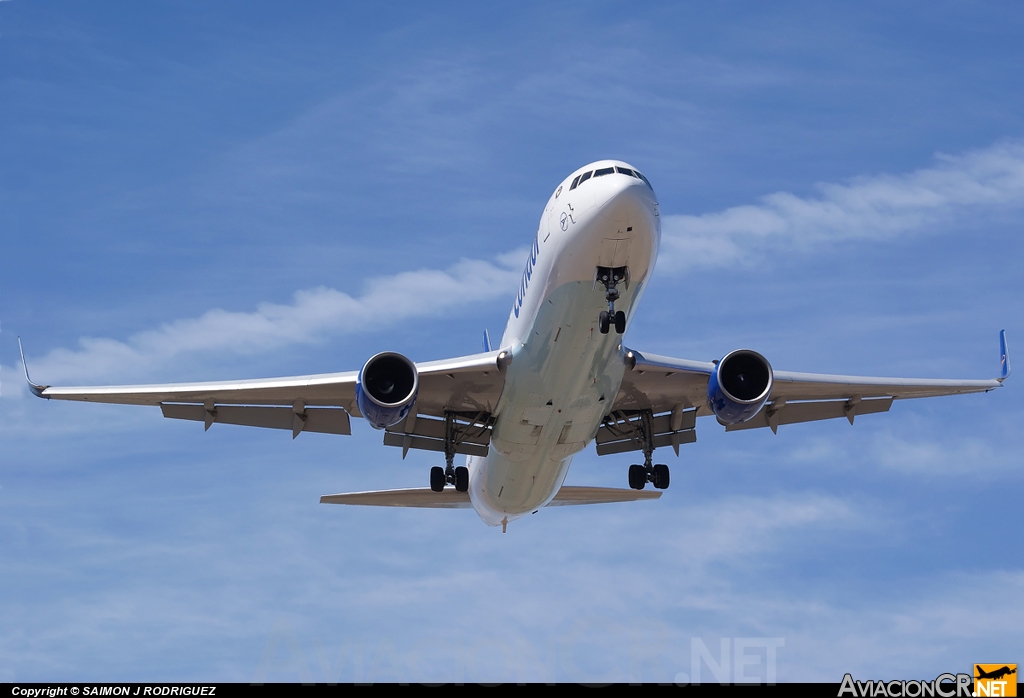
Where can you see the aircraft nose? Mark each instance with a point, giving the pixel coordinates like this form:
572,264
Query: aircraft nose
628,199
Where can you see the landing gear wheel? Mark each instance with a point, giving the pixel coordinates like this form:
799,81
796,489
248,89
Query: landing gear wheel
660,476
462,479
637,477
603,322
437,478
620,322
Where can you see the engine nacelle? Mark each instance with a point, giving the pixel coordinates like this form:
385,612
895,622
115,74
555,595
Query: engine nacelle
386,389
739,386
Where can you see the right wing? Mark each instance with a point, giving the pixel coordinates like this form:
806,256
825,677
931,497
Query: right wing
468,385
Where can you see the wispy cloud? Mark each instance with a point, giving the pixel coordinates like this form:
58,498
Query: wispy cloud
313,315
882,206
876,207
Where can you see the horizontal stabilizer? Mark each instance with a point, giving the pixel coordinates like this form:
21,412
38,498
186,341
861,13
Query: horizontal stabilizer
417,497
569,496
426,498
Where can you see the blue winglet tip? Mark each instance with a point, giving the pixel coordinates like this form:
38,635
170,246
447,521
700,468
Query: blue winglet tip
1004,357
36,389
487,341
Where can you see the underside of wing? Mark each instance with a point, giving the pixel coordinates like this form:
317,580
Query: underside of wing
449,498
814,386
674,391
468,385
661,383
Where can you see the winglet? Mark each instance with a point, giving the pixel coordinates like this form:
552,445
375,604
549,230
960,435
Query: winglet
36,389
1004,358
487,341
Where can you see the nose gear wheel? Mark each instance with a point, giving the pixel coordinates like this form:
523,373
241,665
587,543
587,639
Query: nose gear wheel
611,277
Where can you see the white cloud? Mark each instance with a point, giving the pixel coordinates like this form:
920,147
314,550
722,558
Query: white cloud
877,207
313,314
914,449
744,526
868,207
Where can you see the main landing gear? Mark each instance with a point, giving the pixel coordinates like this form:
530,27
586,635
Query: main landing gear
640,475
611,277
449,475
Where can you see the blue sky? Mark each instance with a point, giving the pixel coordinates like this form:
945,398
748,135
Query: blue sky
196,191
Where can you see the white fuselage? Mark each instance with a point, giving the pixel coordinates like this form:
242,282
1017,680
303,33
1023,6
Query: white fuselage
564,374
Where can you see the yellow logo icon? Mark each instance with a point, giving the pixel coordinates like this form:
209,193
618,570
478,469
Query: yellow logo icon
995,680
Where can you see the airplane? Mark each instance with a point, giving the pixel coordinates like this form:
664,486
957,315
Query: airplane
560,377
996,674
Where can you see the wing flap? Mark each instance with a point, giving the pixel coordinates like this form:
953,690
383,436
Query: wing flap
321,420
675,439
796,412
407,441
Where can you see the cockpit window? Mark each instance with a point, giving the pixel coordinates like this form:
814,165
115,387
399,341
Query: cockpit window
601,173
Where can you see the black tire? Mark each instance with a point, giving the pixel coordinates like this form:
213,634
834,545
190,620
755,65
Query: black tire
661,476
620,322
637,477
462,479
603,322
437,478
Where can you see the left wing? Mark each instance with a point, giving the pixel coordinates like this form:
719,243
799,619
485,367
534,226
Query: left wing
675,391
321,402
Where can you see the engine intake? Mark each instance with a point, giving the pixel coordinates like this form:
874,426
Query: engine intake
739,386
386,389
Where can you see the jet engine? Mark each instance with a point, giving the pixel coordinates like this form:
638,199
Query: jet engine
386,389
739,386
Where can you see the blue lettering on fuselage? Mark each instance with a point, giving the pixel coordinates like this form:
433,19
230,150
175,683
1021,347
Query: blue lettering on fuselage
531,262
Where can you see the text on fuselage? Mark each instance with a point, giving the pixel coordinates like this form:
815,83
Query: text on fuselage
531,262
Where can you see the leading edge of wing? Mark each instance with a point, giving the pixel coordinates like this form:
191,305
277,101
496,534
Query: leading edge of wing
682,380
318,389
449,498
324,389
642,361
793,385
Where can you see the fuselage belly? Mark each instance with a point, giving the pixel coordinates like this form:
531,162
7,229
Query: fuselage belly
565,373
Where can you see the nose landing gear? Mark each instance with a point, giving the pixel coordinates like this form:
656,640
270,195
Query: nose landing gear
611,277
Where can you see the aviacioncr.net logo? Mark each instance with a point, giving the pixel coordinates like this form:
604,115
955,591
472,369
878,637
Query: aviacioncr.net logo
943,686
